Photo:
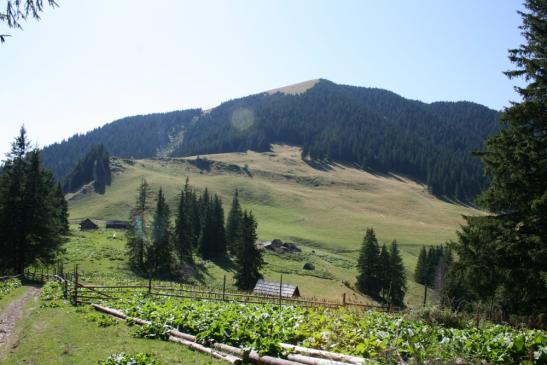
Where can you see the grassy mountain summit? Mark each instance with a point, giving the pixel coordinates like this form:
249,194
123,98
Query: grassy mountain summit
374,129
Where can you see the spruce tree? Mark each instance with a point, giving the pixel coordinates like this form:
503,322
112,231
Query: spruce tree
420,273
137,236
32,212
159,256
248,258
397,276
515,159
368,280
384,272
183,228
232,225
219,233
206,244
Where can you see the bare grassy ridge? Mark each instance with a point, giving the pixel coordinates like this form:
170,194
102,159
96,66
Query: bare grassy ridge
323,207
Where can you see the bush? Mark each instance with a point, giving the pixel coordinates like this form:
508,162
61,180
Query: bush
8,286
443,317
124,359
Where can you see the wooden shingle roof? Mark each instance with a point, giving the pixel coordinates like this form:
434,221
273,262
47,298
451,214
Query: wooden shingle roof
263,287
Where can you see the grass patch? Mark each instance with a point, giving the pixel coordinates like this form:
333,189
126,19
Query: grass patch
62,335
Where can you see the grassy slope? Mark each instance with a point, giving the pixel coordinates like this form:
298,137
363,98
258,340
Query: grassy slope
326,209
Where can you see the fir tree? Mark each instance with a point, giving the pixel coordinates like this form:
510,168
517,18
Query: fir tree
32,212
249,259
159,255
219,233
183,227
137,237
505,252
420,273
232,225
368,280
383,272
397,276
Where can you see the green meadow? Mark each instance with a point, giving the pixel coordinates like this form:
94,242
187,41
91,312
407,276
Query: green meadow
324,209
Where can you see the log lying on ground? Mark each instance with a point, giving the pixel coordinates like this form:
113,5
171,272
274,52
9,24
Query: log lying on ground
308,360
253,356
112,312
196,346
326,354
184,336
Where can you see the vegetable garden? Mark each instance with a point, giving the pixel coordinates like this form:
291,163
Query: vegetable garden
387,338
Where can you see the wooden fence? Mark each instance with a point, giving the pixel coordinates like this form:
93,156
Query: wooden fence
82,293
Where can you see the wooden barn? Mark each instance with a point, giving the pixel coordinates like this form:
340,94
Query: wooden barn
117,224
88,224
263,287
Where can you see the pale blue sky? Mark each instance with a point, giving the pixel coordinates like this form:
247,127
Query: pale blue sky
87,63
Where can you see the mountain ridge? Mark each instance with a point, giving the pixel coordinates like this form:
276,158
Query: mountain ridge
375,128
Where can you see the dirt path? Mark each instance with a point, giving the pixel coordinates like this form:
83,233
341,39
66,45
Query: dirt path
12,313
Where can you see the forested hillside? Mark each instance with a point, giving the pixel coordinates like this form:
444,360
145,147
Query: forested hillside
377,129
137,137
94,166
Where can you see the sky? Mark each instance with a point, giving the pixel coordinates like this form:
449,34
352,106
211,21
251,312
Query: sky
87,63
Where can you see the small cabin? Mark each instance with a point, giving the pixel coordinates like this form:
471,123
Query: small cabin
87,225
117,224
272,288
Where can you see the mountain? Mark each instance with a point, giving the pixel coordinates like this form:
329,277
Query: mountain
374,129
138,136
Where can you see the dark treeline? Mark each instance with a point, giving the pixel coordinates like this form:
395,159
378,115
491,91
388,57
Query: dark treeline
94,166
33,210
138,136
376,129
432,266
381,271
166,250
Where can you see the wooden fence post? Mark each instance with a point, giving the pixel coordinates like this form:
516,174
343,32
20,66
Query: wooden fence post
343,299
224,288
280,289
149,284
76,285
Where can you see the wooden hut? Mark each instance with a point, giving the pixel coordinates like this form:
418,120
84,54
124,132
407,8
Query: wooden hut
272,288
117,224
88,224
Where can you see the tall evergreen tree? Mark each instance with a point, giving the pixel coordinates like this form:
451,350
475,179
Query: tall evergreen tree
420,273
368,280
137,236
219,233
183,228
159,256
249,259
397,276
33,215
384,272
232,225
506,252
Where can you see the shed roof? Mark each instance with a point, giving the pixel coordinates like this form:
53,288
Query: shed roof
272,288
88,223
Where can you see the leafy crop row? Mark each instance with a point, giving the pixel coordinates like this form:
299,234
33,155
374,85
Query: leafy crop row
375,335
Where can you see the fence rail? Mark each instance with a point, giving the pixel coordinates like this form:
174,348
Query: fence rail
80,293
